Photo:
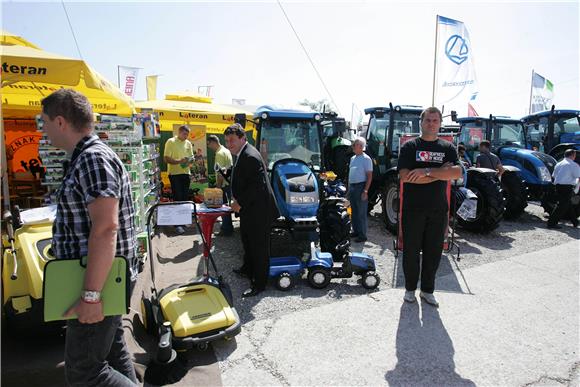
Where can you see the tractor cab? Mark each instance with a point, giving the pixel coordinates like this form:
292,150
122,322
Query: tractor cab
501,132
386,126
289,134
553,131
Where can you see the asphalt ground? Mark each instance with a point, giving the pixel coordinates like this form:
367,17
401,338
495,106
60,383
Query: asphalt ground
38,360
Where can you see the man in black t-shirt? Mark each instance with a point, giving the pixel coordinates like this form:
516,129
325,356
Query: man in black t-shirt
486,159
425,165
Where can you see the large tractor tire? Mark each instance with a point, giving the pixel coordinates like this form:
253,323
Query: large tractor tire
390,203
490,203
334,224
515,193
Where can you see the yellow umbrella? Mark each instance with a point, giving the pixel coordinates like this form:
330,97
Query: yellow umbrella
29,75
9,39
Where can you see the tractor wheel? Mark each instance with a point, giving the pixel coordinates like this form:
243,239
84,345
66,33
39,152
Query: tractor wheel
370,280
490,203
285,281
318,277
334,224
515,193
390,204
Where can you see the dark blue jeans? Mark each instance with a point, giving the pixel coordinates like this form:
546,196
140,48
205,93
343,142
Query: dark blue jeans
227,226
97,355
359,209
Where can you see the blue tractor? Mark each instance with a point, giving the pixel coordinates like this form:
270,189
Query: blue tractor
507,138
553,131
290,142
386,127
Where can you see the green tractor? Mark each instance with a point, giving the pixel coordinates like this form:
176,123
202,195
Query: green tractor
386,126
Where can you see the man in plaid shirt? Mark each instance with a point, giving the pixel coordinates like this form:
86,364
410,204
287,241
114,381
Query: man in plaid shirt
94,218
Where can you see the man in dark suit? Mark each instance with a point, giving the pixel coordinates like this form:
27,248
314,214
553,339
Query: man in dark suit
254,200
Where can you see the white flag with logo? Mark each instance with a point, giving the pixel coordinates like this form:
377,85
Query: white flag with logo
542,93
128,80
455,81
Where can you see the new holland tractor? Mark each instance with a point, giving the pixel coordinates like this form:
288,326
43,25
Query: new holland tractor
506,137
553,132
290,142
508,141
386,126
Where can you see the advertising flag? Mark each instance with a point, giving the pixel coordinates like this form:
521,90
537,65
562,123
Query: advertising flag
128,80
454,76
151,81
542,93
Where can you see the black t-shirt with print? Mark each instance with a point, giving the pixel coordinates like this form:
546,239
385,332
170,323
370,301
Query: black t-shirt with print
418,153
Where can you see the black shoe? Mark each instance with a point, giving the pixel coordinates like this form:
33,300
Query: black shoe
575,223
225,234
251,292
241,272
554,226
360,239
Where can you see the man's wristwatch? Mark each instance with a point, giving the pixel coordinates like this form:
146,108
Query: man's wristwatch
427,172
91,296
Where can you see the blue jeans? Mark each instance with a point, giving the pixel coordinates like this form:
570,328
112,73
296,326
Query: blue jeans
227,226
97,355
359,209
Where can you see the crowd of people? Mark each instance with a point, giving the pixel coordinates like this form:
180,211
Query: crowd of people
95,216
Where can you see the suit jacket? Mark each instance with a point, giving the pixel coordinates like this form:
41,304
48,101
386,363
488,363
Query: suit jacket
251,185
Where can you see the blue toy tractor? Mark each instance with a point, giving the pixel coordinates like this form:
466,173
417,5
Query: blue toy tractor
553,132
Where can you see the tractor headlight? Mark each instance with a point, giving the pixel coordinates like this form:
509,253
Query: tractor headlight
264,116
544,174
317,117
308,199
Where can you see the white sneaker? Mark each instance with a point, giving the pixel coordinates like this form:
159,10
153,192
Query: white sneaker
429,298
409,296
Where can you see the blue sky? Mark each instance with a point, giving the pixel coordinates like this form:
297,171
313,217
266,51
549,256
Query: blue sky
369,53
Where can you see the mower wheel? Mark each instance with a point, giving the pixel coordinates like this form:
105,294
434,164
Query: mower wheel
285,281
370,280
147,317
318,277
515,193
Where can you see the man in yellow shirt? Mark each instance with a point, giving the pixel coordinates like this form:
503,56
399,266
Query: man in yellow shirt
223,162
179,155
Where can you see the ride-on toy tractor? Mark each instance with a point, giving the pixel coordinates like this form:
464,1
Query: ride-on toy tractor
322,268
553,132
386,126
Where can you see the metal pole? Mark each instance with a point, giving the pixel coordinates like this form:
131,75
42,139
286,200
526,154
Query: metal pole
351,114
4,166
118,76
435,60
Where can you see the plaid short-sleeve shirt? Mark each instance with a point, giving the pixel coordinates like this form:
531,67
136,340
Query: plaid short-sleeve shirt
94,171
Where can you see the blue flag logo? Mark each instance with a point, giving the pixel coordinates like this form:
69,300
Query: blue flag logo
456,49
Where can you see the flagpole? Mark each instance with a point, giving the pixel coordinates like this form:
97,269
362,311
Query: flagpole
435,60
118,76
531,90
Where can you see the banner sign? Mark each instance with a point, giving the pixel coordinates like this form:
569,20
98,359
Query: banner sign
542,93
128,80
455,80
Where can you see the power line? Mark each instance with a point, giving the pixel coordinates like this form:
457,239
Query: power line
308,56
71,29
